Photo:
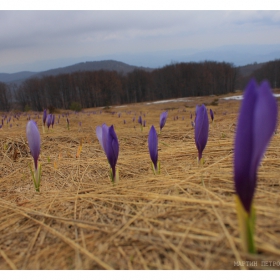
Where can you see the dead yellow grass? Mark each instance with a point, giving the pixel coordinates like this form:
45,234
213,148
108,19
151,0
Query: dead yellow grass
183,218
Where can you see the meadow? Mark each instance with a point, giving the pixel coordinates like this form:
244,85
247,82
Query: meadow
183,218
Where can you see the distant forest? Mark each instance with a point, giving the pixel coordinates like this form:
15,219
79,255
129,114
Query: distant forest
106,88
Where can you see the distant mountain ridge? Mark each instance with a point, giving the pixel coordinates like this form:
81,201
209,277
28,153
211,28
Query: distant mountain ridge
109,65
8,78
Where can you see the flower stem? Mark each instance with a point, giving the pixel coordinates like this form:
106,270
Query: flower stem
246,226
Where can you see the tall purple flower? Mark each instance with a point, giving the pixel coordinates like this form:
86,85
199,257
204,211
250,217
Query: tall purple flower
201,129
162,119
256,124
153,146
211,115
34,140
140,120
44,117
112,149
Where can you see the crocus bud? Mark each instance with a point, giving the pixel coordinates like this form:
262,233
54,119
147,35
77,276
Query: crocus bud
112,149
49,120
44,117
162,120
201,129
256,124
34,141
153,146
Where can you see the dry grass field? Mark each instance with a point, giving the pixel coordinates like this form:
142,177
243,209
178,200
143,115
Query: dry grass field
183,219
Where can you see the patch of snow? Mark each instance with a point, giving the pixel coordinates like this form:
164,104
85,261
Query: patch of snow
240,97
170,100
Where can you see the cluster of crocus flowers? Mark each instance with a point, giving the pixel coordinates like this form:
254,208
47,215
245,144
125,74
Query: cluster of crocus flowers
34,142
201,129
256,124
162,120
153,149
109,142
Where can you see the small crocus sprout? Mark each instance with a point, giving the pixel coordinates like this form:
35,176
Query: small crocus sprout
162,120
44,117
34,142
112,151
212,115
67,120
153,149
201,129
193,124
256,124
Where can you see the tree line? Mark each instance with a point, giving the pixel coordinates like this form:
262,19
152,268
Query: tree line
106,88
271,72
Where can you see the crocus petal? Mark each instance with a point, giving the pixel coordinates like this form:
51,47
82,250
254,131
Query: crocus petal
153,145
162,119
105,129
99,135
256,124
201,129
34,140
265,122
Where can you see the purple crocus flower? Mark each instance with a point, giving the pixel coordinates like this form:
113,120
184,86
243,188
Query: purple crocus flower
201,129
256,124
44,117
153,145
49,120
112,149
34,141
211,115
162,119
140,120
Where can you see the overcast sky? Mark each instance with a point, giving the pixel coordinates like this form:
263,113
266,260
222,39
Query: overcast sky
41,40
